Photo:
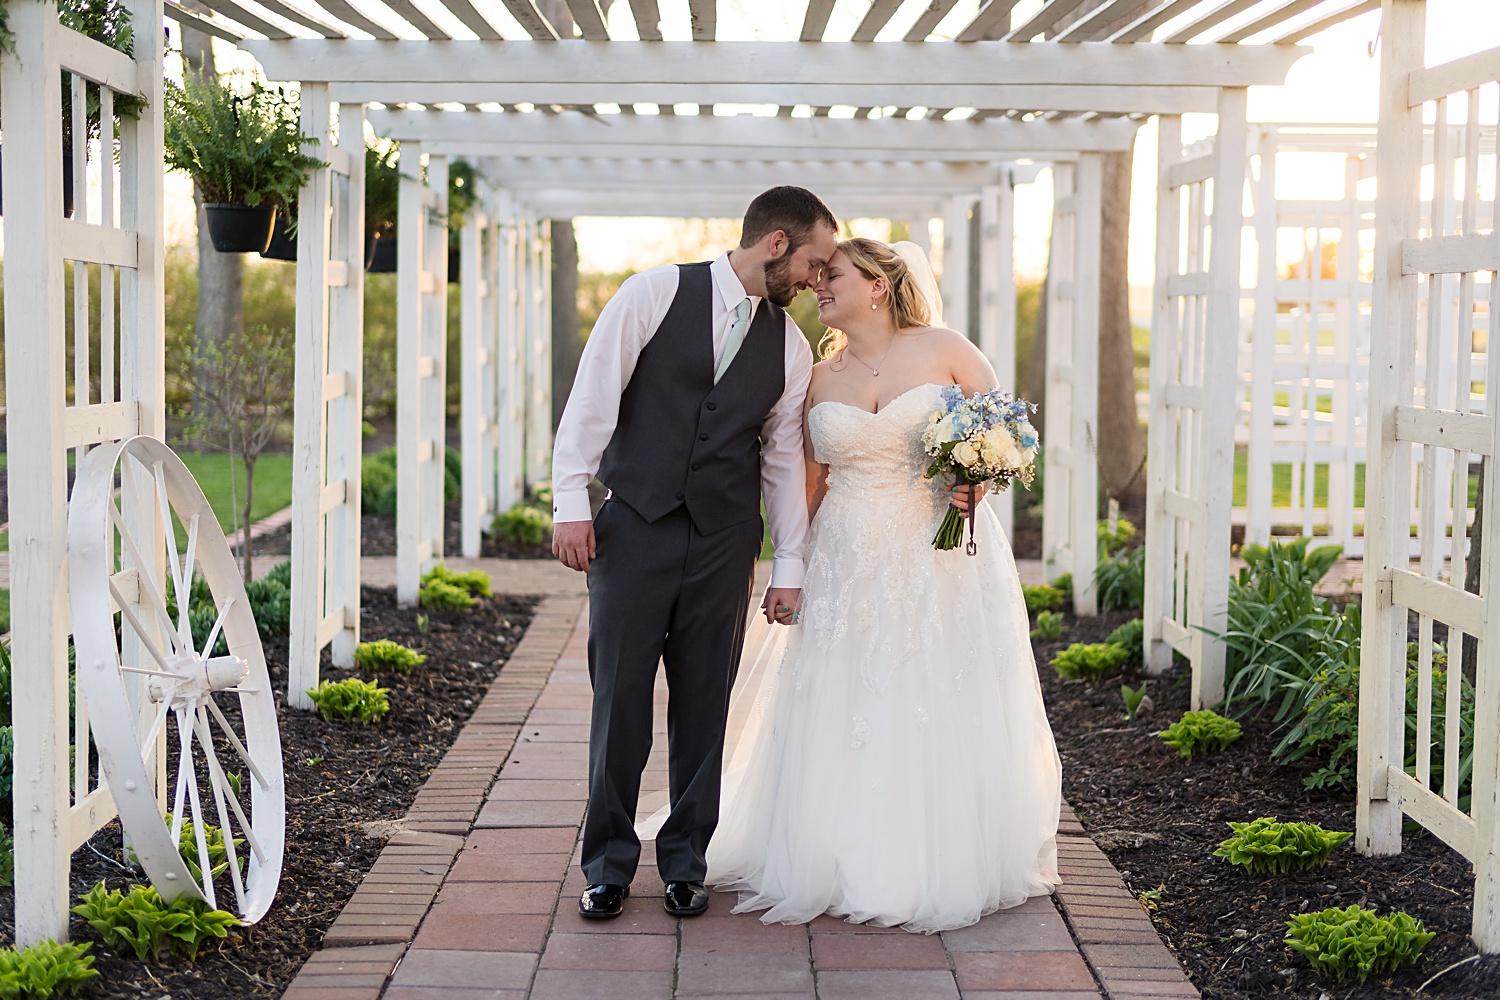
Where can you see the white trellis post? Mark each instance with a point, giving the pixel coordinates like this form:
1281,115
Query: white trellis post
1262,350
510,373
955,279
328,407
1194,357
421,362
480,433
1071,473
1418,266
538,352
43,422
997,301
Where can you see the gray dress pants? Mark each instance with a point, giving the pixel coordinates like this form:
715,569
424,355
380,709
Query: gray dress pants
661,592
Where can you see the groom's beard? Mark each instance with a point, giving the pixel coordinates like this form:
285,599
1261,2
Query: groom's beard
780,288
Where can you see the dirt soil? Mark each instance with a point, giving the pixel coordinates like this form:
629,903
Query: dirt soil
1159,819
378,538
340,776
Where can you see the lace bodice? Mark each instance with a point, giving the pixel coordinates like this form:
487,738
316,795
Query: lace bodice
877,458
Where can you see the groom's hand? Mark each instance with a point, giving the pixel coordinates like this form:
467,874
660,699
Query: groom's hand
573,543
781,605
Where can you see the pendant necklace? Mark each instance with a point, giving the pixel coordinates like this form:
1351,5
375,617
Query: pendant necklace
875,368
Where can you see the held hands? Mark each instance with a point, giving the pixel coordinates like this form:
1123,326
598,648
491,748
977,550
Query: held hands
965,496
782,605
573,544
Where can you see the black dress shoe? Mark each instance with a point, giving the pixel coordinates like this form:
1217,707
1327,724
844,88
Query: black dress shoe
602,901
686,899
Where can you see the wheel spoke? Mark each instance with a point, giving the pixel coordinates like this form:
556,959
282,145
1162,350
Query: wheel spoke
213,635
218,781
148,745
184,629
146,582
184,768
205,864
170,535
140,630
239,747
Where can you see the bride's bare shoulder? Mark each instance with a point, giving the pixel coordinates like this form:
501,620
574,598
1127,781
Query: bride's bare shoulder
943,338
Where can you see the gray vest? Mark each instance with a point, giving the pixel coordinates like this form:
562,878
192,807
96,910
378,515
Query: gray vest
681,439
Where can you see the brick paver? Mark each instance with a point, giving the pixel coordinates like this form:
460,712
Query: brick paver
483,885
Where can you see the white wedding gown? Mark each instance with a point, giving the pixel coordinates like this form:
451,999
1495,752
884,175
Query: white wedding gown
898,767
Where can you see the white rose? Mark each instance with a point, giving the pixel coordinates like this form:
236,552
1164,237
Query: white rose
965,454
944,430
1007,453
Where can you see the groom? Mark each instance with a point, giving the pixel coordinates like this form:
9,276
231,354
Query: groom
688,405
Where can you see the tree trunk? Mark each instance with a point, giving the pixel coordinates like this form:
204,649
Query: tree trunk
567,343
220,285
245,520
1120,450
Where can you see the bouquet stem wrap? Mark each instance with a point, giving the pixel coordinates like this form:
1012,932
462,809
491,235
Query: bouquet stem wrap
951,531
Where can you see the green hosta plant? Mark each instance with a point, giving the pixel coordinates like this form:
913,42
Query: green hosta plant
351,700
444,596
1041,598
45,969
1131,637
476,582
523,524
1200,732
1137,701
1268,846
383,654
142,922
1120,580
1048,625
187,846
1355,942
1089,661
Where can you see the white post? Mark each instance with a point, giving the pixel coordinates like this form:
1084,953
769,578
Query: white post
539,359
955,278
434,340
510,369
1083,514
1059,456
997,303
1388,478
1263,351
476,417
34,378
411,378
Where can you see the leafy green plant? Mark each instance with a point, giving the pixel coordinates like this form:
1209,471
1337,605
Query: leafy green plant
1048,625
1267,846
476,582
187,846
5,682
1355,942
383,654
1040,597
1134,699
377,482
444,596
463,193
422,622
241,145
7,769
1111,542
1131,637
45,969
1120,580
271,602
7,859
1089,661
382,186
523,524
1064,584
351,700
142,922
1200,732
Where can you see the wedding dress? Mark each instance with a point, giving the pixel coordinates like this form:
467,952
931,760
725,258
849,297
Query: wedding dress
897,767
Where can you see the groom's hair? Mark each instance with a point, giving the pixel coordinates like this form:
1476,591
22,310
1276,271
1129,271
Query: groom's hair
795,211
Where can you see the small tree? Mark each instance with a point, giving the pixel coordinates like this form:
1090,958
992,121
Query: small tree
245,388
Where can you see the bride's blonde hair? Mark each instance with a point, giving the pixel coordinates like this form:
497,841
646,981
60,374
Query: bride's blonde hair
875,259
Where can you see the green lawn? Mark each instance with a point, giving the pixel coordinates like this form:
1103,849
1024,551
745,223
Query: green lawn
273,483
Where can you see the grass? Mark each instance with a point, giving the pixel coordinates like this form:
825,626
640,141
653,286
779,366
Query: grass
273,485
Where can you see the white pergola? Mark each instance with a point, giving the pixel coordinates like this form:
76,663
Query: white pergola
557,127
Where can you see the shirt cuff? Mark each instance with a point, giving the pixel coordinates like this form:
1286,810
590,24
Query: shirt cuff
572,506
787,573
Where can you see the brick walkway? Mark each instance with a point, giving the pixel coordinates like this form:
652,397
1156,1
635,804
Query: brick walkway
502,920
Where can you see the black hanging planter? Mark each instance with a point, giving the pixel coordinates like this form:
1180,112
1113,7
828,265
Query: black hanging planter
382,257
455,265
240,228
283,243
67,183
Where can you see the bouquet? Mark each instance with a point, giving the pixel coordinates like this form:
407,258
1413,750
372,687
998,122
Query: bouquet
988,438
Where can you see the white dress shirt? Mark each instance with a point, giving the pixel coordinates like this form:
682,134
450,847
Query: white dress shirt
625,326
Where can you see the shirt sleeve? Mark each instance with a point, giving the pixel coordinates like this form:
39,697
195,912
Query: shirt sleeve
782,470
623,329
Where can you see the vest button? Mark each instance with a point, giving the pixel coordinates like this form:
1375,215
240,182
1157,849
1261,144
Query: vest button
696,466
710,406
679,496
702,437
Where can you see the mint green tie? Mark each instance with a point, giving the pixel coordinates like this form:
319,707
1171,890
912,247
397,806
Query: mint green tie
735,338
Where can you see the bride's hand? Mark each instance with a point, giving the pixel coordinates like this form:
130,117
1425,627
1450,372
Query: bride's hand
781,605
962,496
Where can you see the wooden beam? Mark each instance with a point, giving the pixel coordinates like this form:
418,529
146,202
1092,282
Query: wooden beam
192,19
298,17
240,15
647,20
590,19
518,174
349,14
413,15
815,21
879,14
1043,20
992,21
1297,35
1467,73
705,18
1288,9
472,19
1104,19
671,204
1143,26
1212,19
537,26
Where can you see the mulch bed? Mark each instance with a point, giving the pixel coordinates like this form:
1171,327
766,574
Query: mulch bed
1159,819
378,538
340,777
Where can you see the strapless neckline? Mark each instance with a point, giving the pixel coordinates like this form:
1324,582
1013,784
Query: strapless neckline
889,403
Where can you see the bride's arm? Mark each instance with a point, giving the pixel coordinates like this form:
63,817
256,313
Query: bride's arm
817,472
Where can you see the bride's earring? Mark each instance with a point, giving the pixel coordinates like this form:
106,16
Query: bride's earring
874,305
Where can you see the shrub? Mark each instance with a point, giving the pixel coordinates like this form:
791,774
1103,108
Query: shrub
271,602
1048,625
444,596
1041,598
1089,661
541,493
1355,942
1131,637
1200,732
453,474
1064,584
1267,846
1120,580
45,969
523,524
383,654
141,921
282,573
476,582
201,620
350,700
1111,542
376,476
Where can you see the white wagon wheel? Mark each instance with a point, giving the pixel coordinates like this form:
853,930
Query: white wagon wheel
155,655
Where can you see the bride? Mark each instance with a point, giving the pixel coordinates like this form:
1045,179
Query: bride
898,767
